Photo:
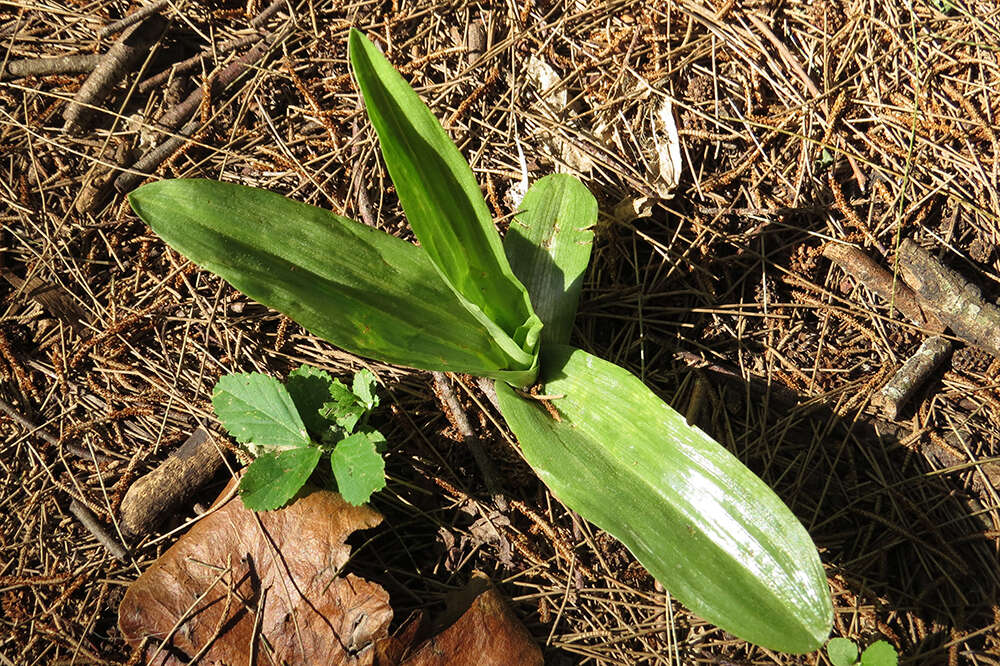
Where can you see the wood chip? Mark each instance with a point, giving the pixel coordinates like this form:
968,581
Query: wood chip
156,495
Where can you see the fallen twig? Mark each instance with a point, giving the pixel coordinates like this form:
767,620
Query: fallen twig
267,13
71,64
456,415
132,18
195,60
912,375
114,66
180,113
152,158
88,520
50,295
958,303
150,498
873,276
699,393
364,206
32,429
225,47
796,67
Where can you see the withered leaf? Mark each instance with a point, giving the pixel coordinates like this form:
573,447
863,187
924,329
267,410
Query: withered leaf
239,583
486,634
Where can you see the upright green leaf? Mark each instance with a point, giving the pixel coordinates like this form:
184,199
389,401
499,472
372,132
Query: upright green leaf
345,409
703,524
363,386
274,477
257,410
357,287
548,246
443,204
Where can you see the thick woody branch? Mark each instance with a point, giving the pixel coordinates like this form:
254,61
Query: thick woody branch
116,64
155,495
958,303
132,18
71,64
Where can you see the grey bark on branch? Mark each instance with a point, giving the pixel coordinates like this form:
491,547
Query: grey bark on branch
862,267
958,303
904,384
71,64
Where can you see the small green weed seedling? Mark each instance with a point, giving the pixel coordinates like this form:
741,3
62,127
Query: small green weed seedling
844,652
464,301
289,428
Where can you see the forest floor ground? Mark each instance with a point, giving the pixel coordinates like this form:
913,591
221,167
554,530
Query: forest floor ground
802,125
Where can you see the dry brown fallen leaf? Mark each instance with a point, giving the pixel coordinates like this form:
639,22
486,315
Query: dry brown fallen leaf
241,583
241,587
486,634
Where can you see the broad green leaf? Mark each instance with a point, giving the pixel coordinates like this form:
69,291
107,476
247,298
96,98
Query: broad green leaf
363,386
358,287
310,390
358,468
273,478
548,246
880,653
443,204
702,523
842,652
257,410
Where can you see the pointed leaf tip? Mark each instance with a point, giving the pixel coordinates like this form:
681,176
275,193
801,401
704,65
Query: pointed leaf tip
548,245
703,524
444,206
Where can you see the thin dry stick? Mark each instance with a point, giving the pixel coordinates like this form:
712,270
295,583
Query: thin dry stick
132,18
699,392
25,423
793,62
88,520
71,64
225,47
32,429
912,375
192,62
268,12
489,390
180,113
116,64
152,158
461,422
859,265
364,205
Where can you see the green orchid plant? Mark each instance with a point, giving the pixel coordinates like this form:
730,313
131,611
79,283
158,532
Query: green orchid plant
704,525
